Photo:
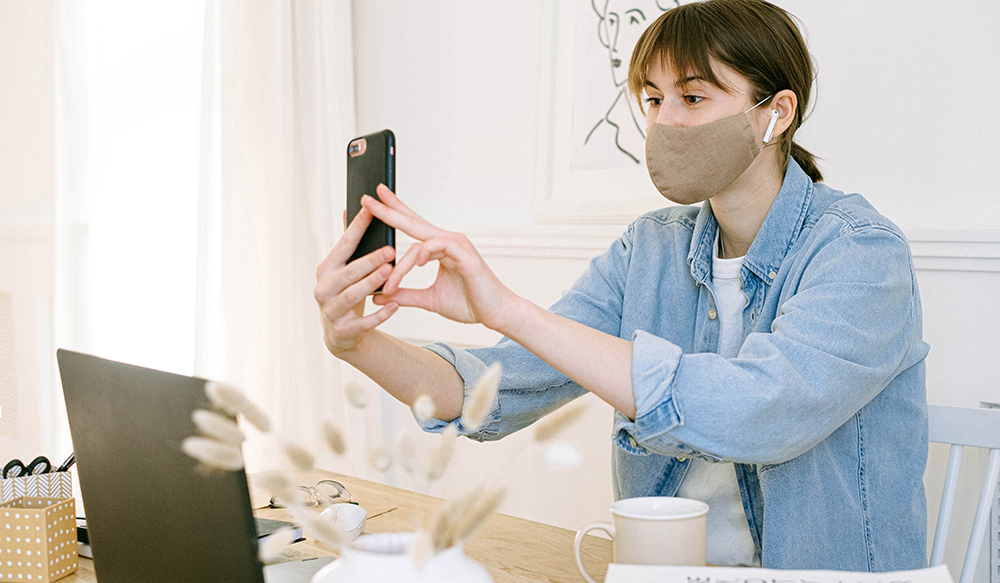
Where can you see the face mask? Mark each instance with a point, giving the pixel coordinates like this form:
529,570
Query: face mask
693,164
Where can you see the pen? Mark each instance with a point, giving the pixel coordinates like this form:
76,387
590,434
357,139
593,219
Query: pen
68,463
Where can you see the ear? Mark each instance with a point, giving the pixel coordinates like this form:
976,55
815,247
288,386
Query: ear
786,103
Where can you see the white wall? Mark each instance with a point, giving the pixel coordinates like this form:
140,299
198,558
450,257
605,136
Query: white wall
905,113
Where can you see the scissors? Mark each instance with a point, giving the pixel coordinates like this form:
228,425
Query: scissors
15,468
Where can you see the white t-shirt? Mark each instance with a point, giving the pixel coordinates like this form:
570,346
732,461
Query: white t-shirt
729,541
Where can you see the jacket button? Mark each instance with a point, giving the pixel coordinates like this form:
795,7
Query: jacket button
681,459
632,441
712,315
772,275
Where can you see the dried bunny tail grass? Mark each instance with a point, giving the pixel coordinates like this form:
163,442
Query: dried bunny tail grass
440,454
256,417
481,398
550,426
273,546
356,394
424,408
443,522
326,531
213,454
482,506
458,518
299,456
406,452
561,455
277,484
217,426
422,549
379,458
233,401
225,397
334,438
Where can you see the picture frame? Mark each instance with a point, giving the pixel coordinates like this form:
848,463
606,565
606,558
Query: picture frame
591,132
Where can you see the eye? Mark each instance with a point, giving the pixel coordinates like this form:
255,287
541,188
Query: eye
653,101
633,20
692,99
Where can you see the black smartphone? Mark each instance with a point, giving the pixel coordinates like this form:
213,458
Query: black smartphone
371,160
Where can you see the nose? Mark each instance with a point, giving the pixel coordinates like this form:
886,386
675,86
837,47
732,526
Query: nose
668,116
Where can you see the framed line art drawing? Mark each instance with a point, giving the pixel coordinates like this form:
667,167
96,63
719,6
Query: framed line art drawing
591,132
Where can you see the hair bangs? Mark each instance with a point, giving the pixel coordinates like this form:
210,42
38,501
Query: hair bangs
678,40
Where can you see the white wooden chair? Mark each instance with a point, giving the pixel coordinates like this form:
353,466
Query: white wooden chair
962,426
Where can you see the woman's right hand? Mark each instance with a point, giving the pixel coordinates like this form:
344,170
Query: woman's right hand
341,289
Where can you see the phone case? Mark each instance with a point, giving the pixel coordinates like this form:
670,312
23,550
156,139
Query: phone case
375,165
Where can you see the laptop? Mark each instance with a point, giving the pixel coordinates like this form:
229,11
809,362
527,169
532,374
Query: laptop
152,514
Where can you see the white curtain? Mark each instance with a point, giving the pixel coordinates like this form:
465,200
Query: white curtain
287,113
193,183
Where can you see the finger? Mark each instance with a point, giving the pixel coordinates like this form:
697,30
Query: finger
345,247
343,218
329,285
412,298
390,199
414,226
370,322
355,294
402,267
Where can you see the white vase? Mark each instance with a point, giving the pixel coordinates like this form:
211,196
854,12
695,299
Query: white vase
375,558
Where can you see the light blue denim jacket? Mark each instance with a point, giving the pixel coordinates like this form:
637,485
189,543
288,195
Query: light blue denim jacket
823,411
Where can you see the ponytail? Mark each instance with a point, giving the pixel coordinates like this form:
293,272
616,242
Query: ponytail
807,161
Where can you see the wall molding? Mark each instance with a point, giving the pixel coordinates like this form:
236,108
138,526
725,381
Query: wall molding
934,248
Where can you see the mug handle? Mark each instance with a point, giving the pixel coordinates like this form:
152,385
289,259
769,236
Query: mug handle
606,527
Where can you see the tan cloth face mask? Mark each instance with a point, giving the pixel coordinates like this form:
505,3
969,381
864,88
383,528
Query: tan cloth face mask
693,164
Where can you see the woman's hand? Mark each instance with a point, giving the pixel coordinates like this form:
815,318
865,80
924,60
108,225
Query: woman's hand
465,290
341,288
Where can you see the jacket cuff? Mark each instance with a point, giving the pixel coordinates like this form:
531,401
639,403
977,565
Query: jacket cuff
654,366
470,369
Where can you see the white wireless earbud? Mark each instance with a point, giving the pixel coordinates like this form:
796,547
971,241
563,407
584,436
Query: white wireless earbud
770,126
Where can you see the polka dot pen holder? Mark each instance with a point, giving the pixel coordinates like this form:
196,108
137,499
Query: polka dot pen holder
37,539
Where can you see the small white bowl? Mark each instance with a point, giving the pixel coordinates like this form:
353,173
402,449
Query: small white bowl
350,517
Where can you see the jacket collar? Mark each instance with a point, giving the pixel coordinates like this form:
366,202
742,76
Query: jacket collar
782,225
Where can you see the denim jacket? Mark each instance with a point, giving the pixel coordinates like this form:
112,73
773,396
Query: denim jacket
823,411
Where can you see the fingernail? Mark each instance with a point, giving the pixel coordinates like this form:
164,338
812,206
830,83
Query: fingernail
387,253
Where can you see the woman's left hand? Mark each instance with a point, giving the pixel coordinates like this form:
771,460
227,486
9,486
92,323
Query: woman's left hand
465,290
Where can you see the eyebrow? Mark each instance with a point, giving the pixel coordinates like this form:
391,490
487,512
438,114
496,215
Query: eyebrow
679,83
636,10
687,80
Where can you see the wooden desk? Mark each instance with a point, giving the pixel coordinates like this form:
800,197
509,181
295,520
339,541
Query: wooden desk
512,549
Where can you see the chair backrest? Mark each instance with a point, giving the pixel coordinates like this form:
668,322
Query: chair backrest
965,426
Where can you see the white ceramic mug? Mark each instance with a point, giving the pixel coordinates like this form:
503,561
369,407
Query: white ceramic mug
652,531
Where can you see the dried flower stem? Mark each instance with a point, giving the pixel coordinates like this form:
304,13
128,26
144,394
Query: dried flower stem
213,454
440,455
334,438
217,426
458,518
552,424
481,398
424,408
274,545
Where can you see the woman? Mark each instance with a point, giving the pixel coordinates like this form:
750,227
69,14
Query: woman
762,351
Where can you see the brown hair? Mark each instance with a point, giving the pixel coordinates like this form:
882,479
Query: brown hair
755,38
